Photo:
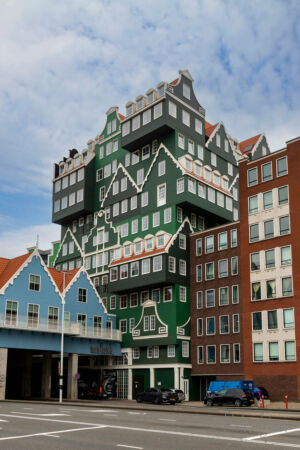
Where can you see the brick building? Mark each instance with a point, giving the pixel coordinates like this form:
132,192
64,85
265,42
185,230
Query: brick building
216,309
270,257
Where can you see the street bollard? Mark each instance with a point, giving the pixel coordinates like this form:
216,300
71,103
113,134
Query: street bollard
262,401
286,401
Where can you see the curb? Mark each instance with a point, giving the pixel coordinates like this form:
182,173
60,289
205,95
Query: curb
257,413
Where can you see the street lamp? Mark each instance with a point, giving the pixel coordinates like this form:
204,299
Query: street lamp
61,372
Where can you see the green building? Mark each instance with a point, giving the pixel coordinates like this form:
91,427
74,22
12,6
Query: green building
126,206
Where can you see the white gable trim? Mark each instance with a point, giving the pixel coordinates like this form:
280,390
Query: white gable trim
61,244
213,133
120,166
147,304
257,144
234,181
186,220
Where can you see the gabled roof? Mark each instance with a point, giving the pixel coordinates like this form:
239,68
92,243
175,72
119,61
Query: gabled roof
174,82
58,278
121,117
209,128
8,267
248,145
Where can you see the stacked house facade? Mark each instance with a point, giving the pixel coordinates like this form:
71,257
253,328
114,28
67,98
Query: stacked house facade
127,205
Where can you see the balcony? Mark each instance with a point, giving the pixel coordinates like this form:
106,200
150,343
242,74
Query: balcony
54,326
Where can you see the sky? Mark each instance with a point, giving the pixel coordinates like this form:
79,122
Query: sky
64,63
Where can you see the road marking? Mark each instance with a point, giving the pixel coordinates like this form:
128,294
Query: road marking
278,444
111,415
2,420
138,413
7,438
271,434
129,446
168,420
99,410
41,415
241,426
52,435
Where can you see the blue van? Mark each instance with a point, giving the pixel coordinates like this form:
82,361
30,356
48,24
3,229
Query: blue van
215,386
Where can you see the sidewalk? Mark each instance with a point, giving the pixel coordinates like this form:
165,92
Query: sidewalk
276,410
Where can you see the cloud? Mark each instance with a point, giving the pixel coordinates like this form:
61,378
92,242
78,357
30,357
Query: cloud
15,242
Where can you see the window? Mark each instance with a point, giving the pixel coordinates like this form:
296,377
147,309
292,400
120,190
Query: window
223,268
182,241
145,223
236,353
186,91
160,241
172,264
199,295
269,229
288,318
281,166
254,261
168,294
283,195
161,195
200,354
32,315
254,233
233,238
224,324
182,294
210,298
34,282
115,187
182,267
234,265
133,202
181,141
167,215
272,320
200,151
266,170
271,288
191,147
161,168
270,258
56,206
123,271
199,273
136,353
273,351
149,352
287,288
11,313
171,351
180,185
113,274
134,269
113,302
157,263
209,271
179,215
211,195
146,323
284,225
252,176
192,185
223,296
290,351
235,294
257,321
258,352
198,247
213,159
224,353
209,244
136,122
155,351
123,325
157,111
101,193
140,176
255,291
236,323
144,199
210,326
145,266
222,240
186,118
172,109
156,295
198,126
220,199
211,354
268,200
193,220
185,349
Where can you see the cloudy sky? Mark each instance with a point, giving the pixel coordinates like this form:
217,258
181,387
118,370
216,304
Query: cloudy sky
64,63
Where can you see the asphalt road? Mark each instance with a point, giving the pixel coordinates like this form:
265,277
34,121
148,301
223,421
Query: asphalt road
38,426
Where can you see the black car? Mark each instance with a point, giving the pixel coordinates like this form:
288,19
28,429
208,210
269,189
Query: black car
157,396
236,397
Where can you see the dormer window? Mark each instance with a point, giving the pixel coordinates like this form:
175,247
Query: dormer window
150,97
127,251
76,161
149,244
138,247
69,165
197,169
160,241
117,253
207,174
140,103
129,109
188,164
217,180
225,183
161,89
84,156
186,90
61,169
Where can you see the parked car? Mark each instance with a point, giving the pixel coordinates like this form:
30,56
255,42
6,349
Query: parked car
236,397
217,386
90,390
157,396
180,393
259,391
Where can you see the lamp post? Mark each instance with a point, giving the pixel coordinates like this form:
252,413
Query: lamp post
61,371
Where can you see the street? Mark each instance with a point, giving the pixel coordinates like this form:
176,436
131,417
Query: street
38,426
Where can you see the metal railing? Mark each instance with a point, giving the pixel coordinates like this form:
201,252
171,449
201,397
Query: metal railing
54,326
